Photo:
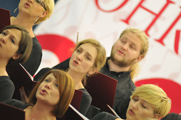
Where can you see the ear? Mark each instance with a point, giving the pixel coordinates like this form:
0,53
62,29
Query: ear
16,56
156,116
44,14
92,71
140,57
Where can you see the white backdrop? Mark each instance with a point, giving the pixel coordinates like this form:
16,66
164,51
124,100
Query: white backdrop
104,20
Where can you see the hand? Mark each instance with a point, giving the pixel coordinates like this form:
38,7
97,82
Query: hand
23,95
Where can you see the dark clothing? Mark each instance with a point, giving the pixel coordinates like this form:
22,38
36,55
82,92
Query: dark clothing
172,116
62,66
85,101
124,89
17,103
33,62
6,88
86,98
104,116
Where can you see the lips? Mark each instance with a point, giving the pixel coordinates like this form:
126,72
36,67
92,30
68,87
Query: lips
120,52
75,62
43,92
131,112
27,5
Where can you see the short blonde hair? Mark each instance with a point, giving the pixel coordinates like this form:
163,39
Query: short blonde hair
49,5
155,96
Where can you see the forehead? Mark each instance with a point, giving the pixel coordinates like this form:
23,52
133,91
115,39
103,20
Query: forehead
16,33
50,76
132,37
89,48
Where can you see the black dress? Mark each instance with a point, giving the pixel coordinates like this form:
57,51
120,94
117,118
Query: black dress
33,63
6,88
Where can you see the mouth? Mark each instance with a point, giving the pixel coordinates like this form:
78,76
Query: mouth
75,62
120,52
27,4
131,112
43,92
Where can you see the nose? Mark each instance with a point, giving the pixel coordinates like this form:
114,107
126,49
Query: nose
125,47
30,1
135,106
48,86
80,57
3,40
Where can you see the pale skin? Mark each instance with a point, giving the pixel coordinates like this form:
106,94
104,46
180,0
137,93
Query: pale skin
29,12
47,97
139,109
81,63
9,45
125,50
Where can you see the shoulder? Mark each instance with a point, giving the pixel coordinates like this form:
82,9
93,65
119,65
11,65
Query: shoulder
6,80
36,44
16,103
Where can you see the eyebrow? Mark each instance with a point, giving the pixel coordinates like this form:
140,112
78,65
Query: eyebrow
11,35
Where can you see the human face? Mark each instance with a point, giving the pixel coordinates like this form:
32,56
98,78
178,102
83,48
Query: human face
139,109
83,59
33,7
126,50
48,90
9,44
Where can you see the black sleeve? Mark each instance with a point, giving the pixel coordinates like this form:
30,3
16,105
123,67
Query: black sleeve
40,74
6,88
33,62
63,65
85,102
16,103
104,116
172,116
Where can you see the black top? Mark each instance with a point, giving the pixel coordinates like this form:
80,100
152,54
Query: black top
33,62
172,116
17,103
104,116
6,88
85,101
86,98
124,89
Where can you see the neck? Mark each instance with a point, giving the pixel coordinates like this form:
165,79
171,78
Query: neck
3,69
24,21
116,68
77,77
39,112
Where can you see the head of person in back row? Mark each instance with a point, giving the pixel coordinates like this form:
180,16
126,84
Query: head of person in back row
148,102
128,50
15,47
33,12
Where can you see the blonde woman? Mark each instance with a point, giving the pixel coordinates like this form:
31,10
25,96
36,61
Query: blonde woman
147,102
33,12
